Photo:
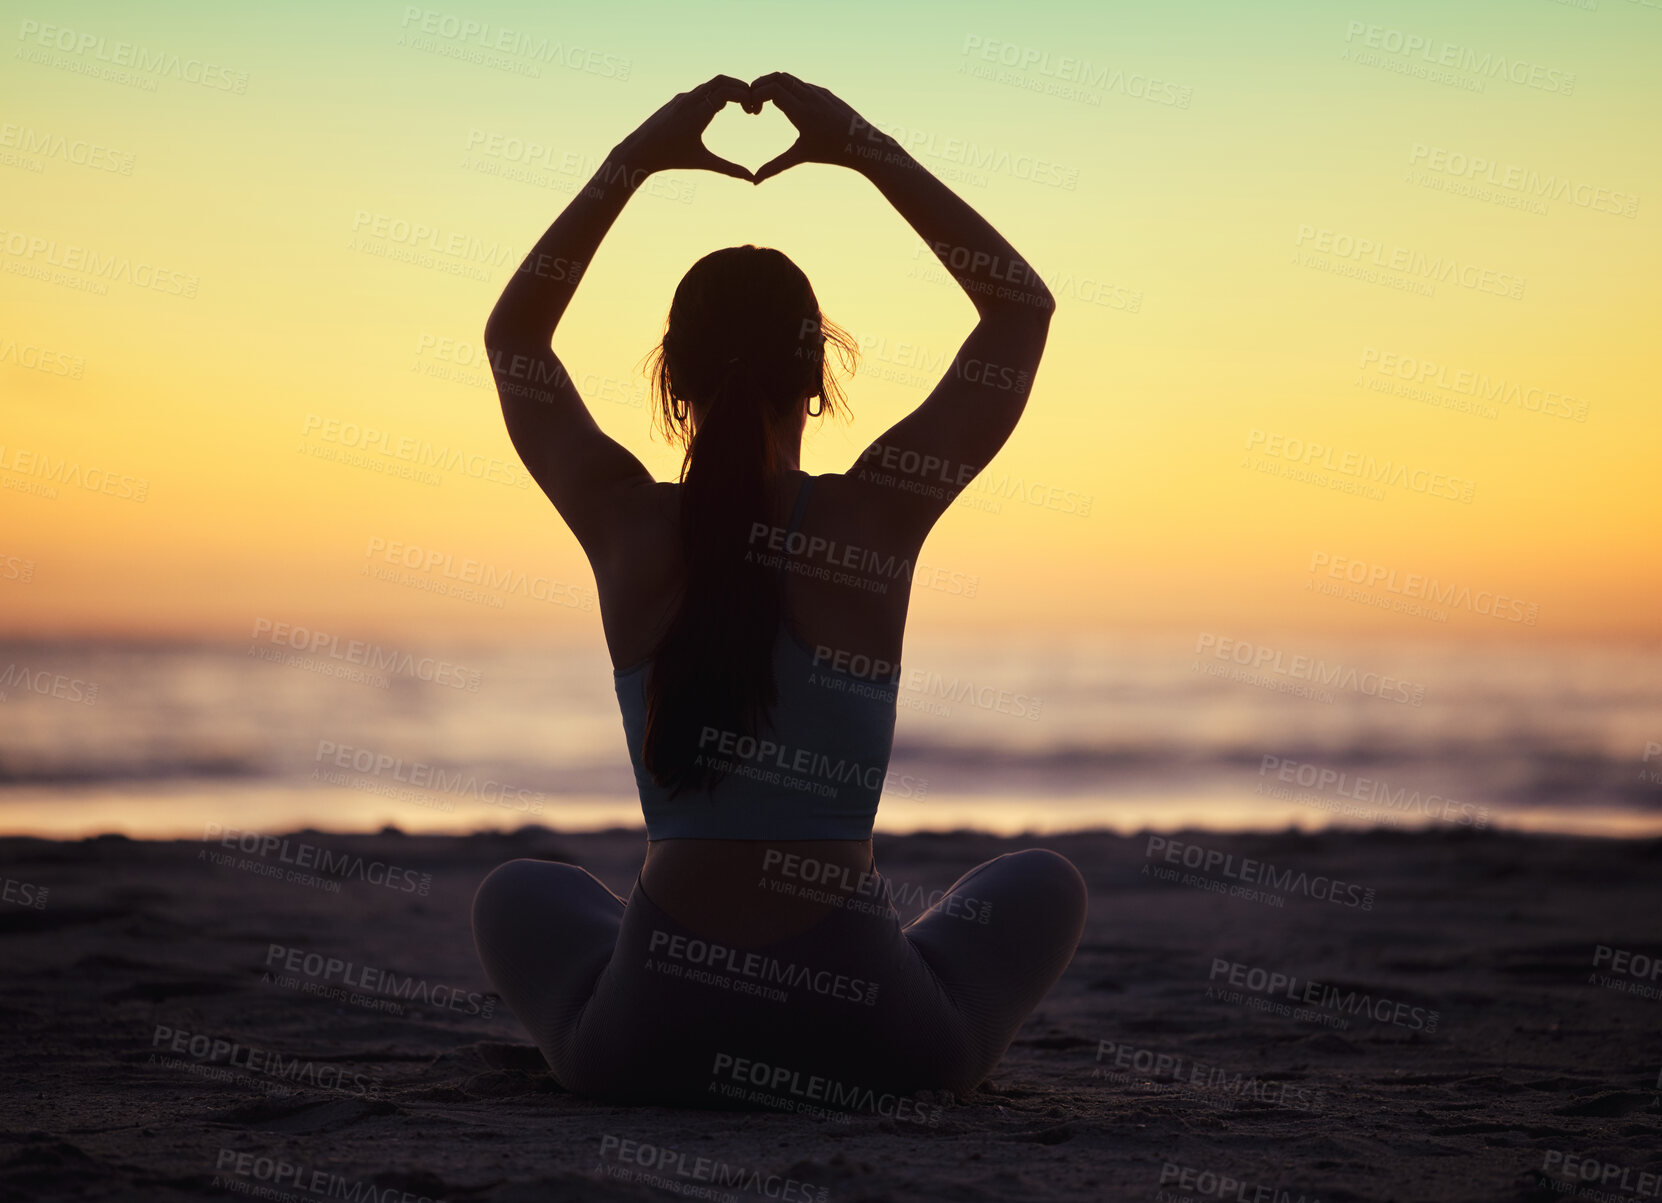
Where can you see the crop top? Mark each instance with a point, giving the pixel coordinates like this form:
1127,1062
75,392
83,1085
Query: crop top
815,774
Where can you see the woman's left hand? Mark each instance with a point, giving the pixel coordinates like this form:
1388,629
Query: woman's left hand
673,137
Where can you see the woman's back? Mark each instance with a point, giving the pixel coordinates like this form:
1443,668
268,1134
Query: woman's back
813,763
845,585
845,608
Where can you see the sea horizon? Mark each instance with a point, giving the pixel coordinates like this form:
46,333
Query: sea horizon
160,739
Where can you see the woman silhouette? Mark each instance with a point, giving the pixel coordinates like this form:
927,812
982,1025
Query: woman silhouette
755,616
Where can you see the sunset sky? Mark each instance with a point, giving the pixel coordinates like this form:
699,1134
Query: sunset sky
1267,229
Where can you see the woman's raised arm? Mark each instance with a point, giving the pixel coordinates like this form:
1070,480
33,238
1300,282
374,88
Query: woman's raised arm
971,412
577,464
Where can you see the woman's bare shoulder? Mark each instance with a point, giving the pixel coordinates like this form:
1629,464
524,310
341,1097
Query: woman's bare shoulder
642,529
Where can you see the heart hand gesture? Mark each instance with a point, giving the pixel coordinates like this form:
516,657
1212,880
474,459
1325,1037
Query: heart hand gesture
826,127
673,137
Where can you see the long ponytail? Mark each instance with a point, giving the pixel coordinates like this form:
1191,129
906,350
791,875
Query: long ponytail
742,351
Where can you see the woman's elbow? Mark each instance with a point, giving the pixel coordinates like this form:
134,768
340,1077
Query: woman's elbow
1041,300
500,331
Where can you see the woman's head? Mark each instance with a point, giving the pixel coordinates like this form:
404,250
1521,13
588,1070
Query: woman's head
743,353
746,316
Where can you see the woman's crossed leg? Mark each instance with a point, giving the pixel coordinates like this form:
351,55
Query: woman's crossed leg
957,983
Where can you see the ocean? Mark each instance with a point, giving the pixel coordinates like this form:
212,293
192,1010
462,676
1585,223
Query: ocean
1031,734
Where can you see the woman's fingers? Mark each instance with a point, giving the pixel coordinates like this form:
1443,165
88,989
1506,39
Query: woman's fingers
793,155
815,113
803,90
750,102
786,78
720,89
785,92
768,88
805,106
710,161
793,86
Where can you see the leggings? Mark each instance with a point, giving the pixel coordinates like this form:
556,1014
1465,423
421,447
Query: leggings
629,1006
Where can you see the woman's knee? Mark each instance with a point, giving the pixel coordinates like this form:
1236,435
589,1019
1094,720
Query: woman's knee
518,888
1040,873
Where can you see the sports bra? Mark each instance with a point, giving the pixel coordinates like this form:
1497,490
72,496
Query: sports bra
815,773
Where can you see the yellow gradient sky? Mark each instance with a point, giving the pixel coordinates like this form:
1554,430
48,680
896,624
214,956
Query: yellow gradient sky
305,322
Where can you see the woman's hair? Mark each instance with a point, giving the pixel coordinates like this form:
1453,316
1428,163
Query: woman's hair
743,351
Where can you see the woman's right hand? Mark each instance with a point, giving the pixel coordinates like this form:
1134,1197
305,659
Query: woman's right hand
828,130
673,137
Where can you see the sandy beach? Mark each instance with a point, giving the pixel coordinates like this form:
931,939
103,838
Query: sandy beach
1459,1015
